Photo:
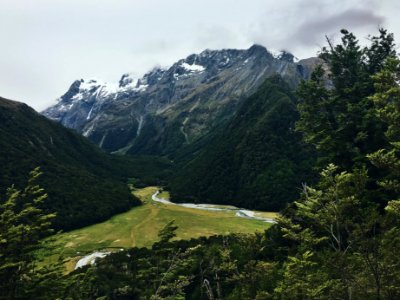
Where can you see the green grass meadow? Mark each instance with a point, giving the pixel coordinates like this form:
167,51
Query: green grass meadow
139,227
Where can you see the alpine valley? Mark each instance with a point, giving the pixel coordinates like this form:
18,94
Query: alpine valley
232,174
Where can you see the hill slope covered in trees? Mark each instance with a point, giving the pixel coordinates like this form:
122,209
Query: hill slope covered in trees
258,161
85,185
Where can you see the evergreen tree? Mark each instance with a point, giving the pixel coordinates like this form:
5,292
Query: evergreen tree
169,280
23,225
387,102
336,112
167,233
345,248
324,227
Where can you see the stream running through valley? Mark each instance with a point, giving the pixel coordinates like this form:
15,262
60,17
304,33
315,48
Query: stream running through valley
239,212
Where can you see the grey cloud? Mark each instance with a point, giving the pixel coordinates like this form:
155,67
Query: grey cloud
311,31
217,37
301,27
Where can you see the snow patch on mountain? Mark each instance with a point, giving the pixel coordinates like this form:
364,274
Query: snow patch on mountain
98,89
88,131
193,67
65,107
89,114
140,88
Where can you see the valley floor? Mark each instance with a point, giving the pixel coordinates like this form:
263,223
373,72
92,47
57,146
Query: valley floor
242,213
139,227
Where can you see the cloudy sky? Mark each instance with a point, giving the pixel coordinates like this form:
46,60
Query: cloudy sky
47,44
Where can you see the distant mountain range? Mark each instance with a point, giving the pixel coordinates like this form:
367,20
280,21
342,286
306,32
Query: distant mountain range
225,118
170,108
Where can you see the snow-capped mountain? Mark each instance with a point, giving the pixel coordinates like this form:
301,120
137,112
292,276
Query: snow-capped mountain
167,108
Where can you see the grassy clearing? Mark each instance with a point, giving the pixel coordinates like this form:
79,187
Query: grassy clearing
139,227
266,214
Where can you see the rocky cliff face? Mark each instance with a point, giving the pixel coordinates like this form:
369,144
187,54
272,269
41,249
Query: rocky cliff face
168,108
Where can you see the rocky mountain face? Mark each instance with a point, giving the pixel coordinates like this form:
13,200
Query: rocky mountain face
169,108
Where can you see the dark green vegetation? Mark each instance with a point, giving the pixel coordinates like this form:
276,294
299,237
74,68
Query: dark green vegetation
233,267
85,185
257,161
341,122
23,225
145,170
339,240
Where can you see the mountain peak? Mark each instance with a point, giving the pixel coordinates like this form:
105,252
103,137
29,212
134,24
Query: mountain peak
125,80
73,90
257,48
286,56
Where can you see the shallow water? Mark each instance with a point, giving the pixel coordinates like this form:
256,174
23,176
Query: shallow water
242,213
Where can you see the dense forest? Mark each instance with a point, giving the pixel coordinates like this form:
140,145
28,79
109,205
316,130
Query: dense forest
338,240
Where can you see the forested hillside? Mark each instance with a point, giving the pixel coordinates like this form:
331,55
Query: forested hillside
258,161
85,185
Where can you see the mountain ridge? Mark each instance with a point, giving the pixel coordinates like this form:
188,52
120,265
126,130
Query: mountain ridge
172,107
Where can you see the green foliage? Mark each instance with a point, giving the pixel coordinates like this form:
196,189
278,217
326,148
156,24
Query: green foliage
336,111
23,225
167,233
257,161
387,103
147,170
205,268
303,278
342,243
